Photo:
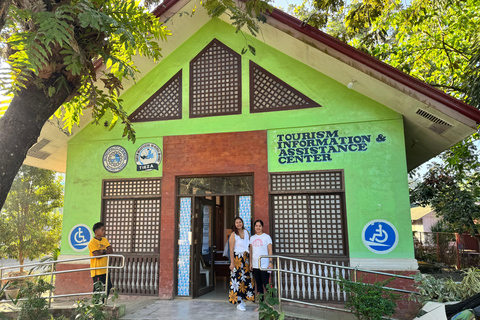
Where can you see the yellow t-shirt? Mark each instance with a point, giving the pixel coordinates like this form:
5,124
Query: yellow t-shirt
95,245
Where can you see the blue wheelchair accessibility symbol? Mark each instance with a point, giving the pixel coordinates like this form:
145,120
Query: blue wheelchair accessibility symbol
79,237
380,236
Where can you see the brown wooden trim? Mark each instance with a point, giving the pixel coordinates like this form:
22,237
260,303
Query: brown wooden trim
133,197
329,191
145,104
213,175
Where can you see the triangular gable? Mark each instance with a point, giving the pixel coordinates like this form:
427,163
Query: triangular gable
165,104
215,81
269,93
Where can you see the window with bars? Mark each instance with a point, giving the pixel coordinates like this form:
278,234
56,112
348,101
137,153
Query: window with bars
131,213
308,217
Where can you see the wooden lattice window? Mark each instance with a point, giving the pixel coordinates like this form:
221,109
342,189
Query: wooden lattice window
132,187
132,214
305,181
308,213
269,93
165,104
147,219
119,222
215,81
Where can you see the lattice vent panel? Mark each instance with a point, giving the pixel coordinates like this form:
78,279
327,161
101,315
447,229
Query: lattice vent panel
326,221
125,188
215,80
291,223
147,226
165,104
119,219
306,181
269,93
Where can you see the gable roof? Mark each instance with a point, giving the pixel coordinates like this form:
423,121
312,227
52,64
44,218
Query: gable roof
433,120
420,212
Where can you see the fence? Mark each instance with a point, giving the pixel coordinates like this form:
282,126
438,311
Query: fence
52,264
310,282
451,249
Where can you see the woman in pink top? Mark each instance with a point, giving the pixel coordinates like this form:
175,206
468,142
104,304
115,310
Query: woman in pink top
260,245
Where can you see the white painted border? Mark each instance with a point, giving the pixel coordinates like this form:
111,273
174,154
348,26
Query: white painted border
384,264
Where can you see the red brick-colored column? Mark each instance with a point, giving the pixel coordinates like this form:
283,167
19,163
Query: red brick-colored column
75,282
208,154
406,309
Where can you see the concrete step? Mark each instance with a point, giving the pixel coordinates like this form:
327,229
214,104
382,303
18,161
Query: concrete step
295,311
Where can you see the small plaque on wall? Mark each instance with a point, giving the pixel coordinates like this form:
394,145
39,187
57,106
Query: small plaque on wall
148,157
115,159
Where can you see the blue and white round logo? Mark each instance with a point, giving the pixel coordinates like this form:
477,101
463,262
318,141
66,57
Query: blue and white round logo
148,157
115,159
380,236
79,237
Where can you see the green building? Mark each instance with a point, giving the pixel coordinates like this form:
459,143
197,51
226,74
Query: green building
310,135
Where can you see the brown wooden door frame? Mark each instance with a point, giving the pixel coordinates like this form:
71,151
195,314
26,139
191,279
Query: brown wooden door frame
197,227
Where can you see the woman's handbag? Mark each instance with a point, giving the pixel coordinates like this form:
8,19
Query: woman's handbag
226,251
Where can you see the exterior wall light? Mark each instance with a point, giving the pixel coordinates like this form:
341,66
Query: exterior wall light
351,84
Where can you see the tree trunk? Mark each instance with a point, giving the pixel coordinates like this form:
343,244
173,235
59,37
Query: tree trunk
4,5
20,128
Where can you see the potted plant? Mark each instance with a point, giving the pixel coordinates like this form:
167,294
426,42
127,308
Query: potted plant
12,287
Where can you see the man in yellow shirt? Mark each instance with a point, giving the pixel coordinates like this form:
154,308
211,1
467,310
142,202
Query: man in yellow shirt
98,246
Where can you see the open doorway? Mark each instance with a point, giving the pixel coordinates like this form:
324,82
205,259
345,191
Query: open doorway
205,222
213,219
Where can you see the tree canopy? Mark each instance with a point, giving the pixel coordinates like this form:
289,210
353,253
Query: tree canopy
452,188
30,222
53,49
435,41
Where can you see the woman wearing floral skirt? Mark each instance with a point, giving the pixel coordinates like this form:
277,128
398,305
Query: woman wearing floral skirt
241,285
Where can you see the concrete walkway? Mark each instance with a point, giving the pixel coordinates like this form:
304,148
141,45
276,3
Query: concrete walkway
186,309
144,308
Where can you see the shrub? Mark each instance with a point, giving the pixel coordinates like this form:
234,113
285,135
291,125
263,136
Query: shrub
266,307
443,290
370,301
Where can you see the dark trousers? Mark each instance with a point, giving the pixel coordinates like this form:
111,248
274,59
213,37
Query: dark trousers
262,278
103,279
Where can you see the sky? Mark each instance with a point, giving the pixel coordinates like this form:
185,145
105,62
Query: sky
284,3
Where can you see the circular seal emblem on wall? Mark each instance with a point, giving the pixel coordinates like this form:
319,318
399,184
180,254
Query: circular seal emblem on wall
380,236
115,159
148,157
79,237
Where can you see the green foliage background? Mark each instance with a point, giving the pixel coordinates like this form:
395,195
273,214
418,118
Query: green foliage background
30,224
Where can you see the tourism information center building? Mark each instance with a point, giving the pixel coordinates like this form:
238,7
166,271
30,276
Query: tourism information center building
309,135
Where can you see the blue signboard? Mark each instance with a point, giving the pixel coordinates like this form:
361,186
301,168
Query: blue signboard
380,236
79,237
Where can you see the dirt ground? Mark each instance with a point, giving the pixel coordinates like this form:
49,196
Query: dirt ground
443,271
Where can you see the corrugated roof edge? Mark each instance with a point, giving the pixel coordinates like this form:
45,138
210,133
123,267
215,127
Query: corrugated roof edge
367,60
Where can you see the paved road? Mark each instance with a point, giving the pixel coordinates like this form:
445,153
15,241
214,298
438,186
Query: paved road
12,262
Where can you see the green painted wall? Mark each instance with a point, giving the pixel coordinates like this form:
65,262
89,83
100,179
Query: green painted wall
341,108
376,184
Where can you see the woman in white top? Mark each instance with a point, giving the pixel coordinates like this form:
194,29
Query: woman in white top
241,286
260,245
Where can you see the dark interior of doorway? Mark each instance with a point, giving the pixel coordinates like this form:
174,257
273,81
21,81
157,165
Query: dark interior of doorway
225,211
